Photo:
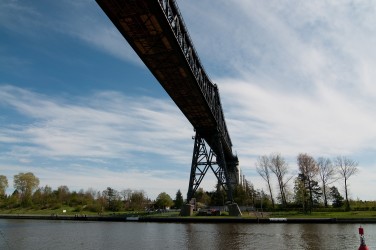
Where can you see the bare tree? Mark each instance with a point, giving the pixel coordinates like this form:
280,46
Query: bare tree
346,169
327,174
3,185
279,167
262,168
308,171
126,194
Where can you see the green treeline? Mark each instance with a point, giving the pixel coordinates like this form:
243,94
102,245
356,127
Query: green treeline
309,188
28,194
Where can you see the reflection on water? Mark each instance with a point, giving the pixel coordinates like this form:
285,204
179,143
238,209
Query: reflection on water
30,234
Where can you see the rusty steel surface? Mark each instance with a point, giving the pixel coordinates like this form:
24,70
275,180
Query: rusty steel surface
157,33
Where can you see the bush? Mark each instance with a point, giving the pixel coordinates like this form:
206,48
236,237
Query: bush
361,209
56,206
78,209
96,208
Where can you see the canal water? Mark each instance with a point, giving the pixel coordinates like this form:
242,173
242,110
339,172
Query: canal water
54,235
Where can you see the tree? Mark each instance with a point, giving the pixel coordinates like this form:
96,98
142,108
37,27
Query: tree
241,196
48,196
101,202
219,196
307,196
126,194
250,193
14,199
262,168
90,193
300,193
280,168
163,201
316,193
308,170
3,185
337,199
63,194
138,200
265,200
25,183
113,199
74,199
37,197
346,169
179,201
327,175
202,196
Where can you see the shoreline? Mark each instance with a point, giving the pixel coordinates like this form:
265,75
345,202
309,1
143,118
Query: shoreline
195,219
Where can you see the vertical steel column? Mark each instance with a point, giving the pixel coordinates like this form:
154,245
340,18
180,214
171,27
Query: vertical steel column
223,175
201,161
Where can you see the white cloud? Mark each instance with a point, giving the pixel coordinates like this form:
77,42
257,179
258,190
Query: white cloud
291,46
105,139
105,124
324,123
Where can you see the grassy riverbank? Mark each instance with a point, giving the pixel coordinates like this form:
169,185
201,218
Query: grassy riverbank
72,211
59,211
348,214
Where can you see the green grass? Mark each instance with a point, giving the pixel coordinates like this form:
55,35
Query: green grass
291,214
164,215
75,211
349,214
59,211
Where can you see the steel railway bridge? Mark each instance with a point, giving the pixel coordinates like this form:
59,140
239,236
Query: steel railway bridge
156,31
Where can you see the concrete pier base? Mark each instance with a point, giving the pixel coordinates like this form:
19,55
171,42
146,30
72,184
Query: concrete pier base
234,210
186,210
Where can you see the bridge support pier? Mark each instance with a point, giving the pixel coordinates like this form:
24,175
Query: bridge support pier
234,210
186,210
202,160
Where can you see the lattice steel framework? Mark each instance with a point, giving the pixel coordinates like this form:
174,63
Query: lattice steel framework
202,160
156,31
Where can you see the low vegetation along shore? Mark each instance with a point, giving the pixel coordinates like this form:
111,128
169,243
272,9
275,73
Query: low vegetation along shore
68,213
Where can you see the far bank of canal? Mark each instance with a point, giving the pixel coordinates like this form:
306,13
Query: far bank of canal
190,219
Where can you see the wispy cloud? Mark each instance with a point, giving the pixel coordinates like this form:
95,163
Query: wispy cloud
17,17
106,124
301,75
327,123
104,139
287,45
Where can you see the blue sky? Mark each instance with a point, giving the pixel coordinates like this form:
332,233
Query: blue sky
78,107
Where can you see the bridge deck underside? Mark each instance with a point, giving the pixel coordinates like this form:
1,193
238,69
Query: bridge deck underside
155,43
148,31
